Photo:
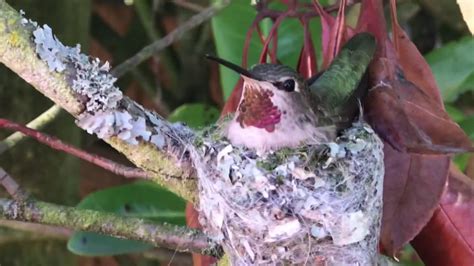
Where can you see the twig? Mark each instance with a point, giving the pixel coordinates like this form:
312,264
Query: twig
12,187
173,36
174,237
39,122
148,21
42,230
189,5
295,13
57,144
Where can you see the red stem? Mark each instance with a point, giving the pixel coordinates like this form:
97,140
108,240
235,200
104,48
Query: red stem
309,53
340,21
248,37
57,144
395,25
272,33
295,13
273,52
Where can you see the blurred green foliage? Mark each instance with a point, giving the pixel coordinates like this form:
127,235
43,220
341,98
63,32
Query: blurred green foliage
196,115
140,199
453,67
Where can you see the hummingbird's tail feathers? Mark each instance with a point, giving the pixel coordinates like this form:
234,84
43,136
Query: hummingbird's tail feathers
338,89
312,79
363,42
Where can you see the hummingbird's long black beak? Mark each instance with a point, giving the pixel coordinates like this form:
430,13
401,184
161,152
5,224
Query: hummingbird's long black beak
232,66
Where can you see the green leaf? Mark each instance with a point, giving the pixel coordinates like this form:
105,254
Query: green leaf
92,244
229,29
453,68
290,41
461,161
468,84
455,114
291,36
139,199
195,115
468,125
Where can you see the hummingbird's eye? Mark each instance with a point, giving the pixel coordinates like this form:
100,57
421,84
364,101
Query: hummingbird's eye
287,85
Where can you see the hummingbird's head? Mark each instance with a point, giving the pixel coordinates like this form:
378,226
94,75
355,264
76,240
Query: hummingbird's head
270,91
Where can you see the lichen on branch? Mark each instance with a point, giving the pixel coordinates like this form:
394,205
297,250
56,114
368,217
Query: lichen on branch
170,236
85,88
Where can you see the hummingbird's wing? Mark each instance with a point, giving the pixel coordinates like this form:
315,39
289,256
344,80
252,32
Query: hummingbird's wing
338,89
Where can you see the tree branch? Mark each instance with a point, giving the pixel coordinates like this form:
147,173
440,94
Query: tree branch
45,231
25,209
176,34
174,237
167,165
12,187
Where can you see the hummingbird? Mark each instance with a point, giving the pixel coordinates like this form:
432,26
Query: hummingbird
280,109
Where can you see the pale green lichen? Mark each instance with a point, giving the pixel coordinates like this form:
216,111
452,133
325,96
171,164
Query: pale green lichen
23,60
14,39
224,261
178,179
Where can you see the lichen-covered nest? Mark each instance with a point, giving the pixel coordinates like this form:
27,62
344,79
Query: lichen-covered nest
316,205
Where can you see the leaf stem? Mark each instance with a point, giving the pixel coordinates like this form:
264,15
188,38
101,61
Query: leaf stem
57,144
176,34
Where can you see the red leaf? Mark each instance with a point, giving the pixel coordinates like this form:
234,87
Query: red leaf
448,239
412,62
332,31
371,19
307,62
405,109
339,29
326,23
408,118
413,186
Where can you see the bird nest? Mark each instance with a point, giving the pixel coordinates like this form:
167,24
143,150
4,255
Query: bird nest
316,205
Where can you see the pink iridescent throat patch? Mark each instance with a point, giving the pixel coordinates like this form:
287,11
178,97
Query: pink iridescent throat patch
257,109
